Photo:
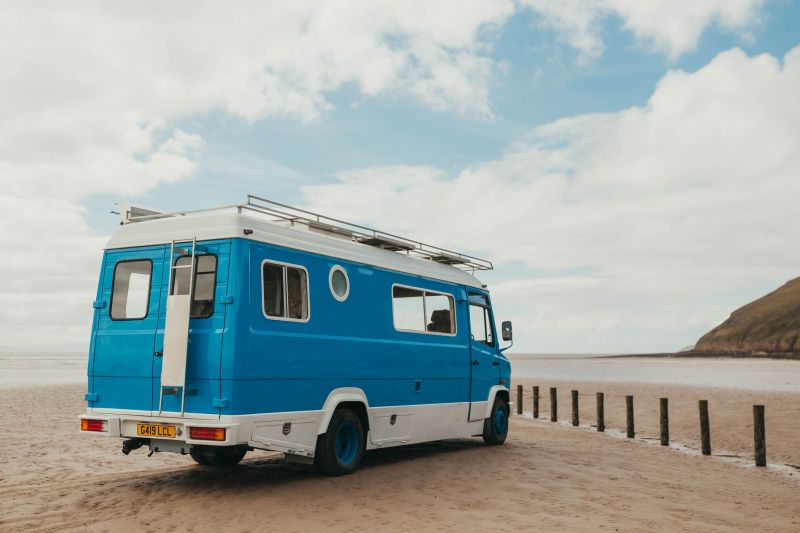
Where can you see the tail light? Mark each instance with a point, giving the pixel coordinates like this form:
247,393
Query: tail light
207,433
93,425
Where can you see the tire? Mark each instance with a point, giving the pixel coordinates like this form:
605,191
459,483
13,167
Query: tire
341,448
218,455
495,428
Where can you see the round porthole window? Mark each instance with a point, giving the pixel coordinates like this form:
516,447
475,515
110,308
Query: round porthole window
340,285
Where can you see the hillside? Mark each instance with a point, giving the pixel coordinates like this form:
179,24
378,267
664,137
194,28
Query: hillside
770,324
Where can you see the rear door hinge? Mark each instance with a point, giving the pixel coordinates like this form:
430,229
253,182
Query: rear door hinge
99,304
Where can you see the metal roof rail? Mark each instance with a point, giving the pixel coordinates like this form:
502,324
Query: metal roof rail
367,235
317,222
129,213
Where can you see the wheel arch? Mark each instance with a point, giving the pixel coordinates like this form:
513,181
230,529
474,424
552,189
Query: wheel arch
496,391
350,397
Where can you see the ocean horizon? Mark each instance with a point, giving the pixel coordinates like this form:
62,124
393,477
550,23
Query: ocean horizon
53,368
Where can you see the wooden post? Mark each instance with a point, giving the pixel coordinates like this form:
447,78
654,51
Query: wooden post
553,405
519,399
535,402
664,421
601,417
759,435
705,432
575,417
629,409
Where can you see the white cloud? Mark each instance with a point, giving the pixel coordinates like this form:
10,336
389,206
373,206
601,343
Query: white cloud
91,94
668,26
577,21
48,270
88,94
675,27
632,228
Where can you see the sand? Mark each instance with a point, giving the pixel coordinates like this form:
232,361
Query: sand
546,478
730,414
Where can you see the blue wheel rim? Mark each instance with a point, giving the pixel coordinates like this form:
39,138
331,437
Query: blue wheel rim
346,443
500,422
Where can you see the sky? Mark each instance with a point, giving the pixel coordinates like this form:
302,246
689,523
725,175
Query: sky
632,168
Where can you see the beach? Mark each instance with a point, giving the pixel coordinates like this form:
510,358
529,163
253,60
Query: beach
731,387
546,477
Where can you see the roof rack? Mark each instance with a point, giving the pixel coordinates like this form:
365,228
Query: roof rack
340,228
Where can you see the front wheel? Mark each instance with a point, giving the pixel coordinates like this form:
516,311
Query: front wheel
495,428
341,448
218,455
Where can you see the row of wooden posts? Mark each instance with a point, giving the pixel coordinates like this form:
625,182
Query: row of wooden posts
759,433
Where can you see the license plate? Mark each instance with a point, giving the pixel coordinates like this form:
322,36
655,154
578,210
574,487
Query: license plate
159,431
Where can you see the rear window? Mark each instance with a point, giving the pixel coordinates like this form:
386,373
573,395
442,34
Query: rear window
130,292
205,279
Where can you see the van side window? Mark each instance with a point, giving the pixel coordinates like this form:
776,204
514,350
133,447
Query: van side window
130,292
407,306
439,312
285,290
480,324
205,279
273,290
422,311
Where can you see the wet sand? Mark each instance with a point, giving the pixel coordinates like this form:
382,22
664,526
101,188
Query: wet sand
730,414
547,477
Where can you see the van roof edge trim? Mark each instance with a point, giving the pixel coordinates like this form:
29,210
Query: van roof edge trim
231,223
284,213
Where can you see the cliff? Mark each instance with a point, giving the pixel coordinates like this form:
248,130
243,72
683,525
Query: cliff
770,324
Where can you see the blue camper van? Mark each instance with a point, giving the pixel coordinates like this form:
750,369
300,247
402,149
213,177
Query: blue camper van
262,326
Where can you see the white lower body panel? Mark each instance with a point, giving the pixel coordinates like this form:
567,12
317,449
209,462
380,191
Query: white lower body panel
296,432
420,423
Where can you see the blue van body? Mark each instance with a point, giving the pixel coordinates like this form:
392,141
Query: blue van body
244,369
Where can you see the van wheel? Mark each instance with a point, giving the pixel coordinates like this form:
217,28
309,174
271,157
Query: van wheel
218,455
495,428
341,448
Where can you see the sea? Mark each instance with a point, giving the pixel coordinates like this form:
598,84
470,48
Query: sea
34,369
746,373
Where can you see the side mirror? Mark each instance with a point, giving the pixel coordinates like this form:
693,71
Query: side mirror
507,330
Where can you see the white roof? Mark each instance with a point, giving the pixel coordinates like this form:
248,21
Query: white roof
208,225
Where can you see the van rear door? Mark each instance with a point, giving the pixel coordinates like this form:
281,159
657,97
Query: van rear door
206,326
124,343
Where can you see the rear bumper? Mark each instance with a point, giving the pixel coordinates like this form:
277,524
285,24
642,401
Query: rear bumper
124,426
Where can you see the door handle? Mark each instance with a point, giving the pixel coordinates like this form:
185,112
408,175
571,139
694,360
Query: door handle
495,363
158,354
475,362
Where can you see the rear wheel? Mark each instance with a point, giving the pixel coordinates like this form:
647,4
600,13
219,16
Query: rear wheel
495,428
218,455
341,448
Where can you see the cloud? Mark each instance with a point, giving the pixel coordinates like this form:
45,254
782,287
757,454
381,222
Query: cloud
91,95
667,26
92,99
576,21
48,273
624,229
